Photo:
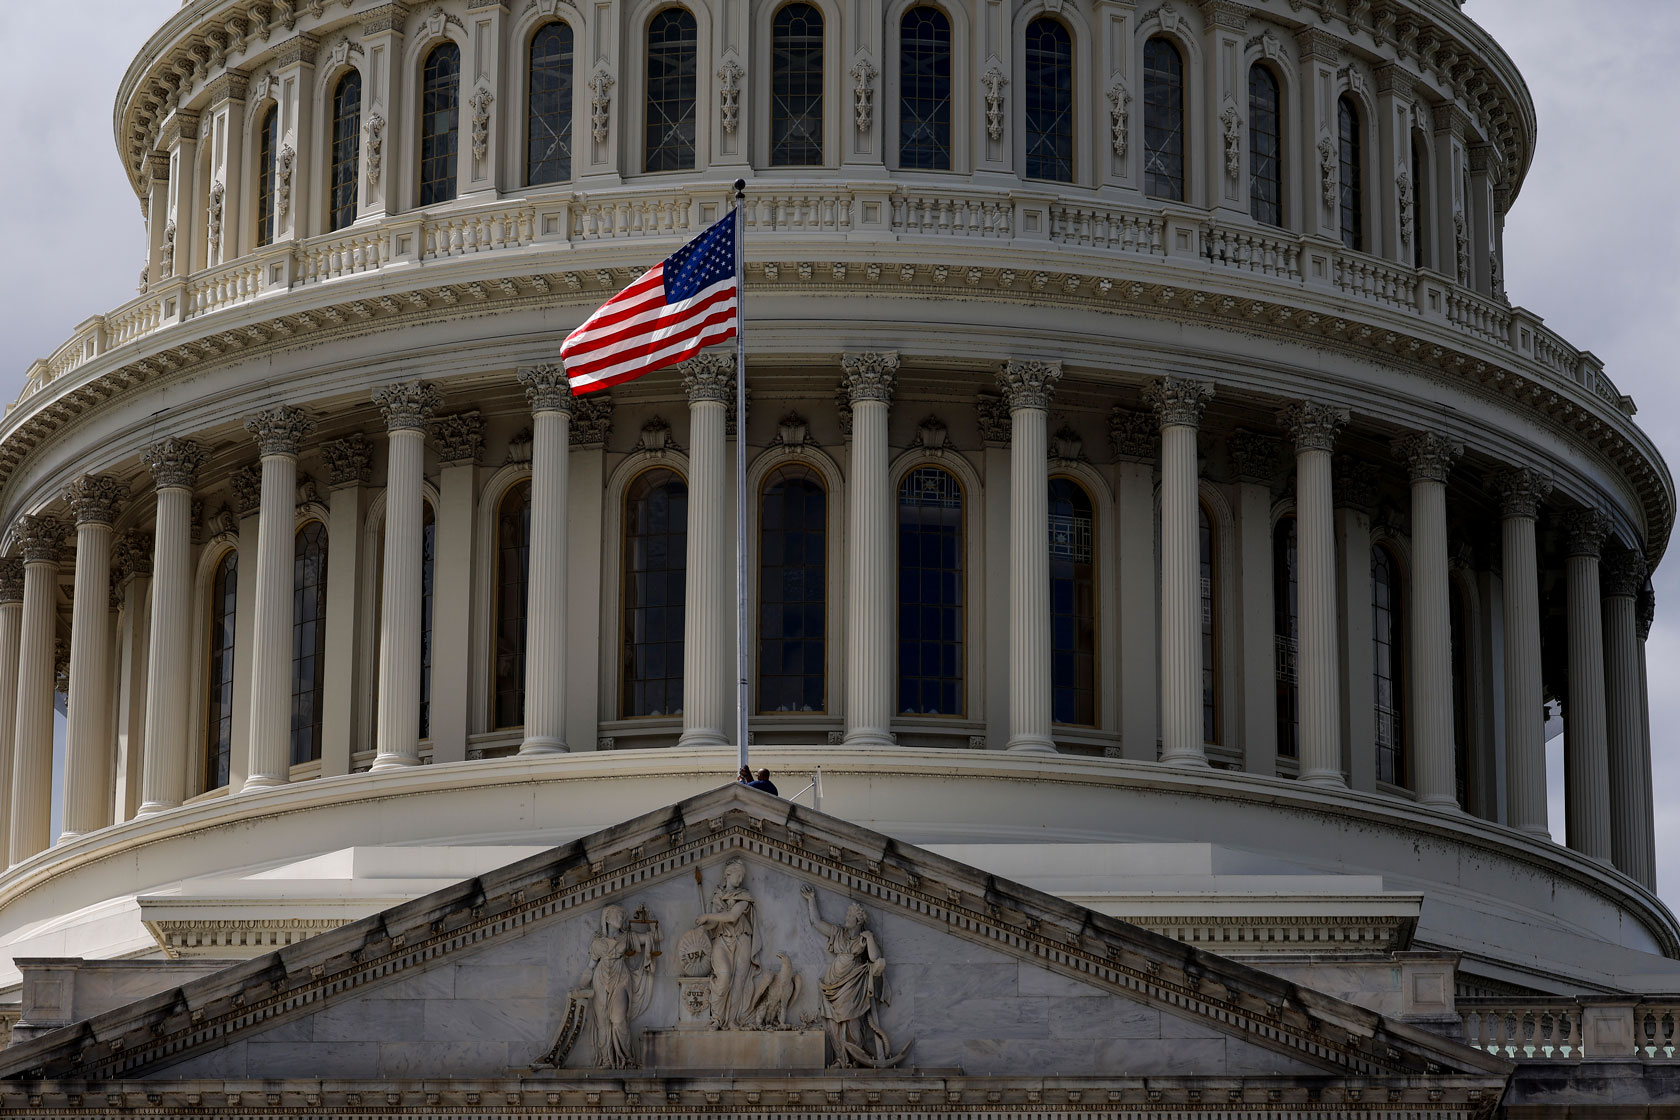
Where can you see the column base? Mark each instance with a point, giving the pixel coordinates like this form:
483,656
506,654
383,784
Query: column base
1442,804
699,737
151,808
1186,758
1328,778
392,762
1032,744
68,835
262,781
1537,834
867,737
544,744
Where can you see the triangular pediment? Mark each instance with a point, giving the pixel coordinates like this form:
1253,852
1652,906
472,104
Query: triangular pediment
827,943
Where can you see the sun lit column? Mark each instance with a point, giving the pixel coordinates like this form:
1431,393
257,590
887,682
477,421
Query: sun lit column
88,763
11,634
1646,614
278,432
1026,389
708,624
1520,492
174,465
868,379
1586,750
1623,576
41,538
407,409
1178,404
550,394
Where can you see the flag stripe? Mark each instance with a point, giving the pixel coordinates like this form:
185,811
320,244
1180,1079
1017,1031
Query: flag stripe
613,347
605,331
658,353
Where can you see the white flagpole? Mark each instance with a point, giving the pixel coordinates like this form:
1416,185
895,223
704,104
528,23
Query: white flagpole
741,658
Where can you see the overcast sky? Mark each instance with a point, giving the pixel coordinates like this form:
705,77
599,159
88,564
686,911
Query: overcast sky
1591,244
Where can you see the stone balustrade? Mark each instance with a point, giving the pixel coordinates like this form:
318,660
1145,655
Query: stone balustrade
1606,1028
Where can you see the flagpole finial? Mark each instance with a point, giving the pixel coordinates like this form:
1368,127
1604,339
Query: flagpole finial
740,189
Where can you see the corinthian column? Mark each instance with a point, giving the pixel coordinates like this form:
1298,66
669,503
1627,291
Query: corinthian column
1430,456
41,539
709,380
1314,428
1026,388
407,409
1623,578
1520,492
1178,404
868,380
11,623
174,465
550,394
93,501
1586,751
278,432
1644,616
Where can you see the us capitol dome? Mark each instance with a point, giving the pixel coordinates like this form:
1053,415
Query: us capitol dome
1154,500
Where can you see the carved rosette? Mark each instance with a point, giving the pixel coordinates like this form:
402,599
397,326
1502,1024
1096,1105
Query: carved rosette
246,483
1133,435
547,388
349,460
407,407
1354,484
1254,457
1178,400
174,463
132,555
280,430
40,537
869,375
1622,574
1584,531
94,498
459,438
591,419
1428,455
1520,490
1313,426
1028,384
11,579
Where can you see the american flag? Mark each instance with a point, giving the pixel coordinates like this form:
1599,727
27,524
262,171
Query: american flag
674,310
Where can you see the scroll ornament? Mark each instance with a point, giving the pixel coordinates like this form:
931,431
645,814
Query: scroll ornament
863,92
729,99
1119,114
600,104
994,81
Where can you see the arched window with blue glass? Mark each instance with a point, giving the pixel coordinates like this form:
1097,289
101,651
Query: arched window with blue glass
309,639
655,593
218,708
1163,120
1265,146
1352,175
673,59
1048,96
931,626
548,109
924,76
440,123
513,589
1073,604
792,591
346,149
796,86
265,175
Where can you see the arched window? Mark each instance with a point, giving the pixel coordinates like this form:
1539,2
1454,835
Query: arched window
1353,189
1421,255
548,111
1388,667
1265,146
655,593
792,591
309,639
1286,631
924,76
1073,604
1210,629
265,176
1163,120
673,52
346,150
1048,95
796,81
440,120
428,587
930,593
218,708
513,578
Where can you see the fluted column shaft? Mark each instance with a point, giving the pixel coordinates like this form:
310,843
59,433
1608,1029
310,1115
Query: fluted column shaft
33,731
11,635
1586,755
1645,614
1430,456
1026,388
869,379
1525,715
87,739
1623,577
1178,405
174,464
1314,428
278,432
707,620
545,640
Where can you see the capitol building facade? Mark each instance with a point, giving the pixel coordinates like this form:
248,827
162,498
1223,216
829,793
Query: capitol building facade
1164,538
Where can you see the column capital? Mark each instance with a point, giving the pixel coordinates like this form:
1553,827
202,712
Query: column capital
1177,400
1584,531
349,460
11,579
41,537
1520,490
1354,484
1313,426
1644,611
591,420
407,406
1028,384
709,377
246,484
94,498
1428,455
1254,457
133,555
1133,435
547,388
174,462
280,430
1623,574
459,437
869,375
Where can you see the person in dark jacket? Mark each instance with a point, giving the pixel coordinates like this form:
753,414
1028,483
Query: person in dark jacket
763,782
